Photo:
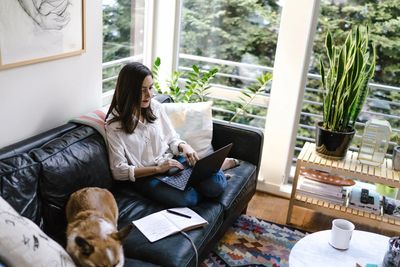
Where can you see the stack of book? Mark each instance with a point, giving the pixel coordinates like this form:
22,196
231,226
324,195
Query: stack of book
332,193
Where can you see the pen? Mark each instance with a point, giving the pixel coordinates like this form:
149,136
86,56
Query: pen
179,214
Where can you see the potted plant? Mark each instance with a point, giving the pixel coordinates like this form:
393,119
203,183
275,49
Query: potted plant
345,82
195,89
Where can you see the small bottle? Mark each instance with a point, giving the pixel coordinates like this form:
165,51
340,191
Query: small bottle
375,141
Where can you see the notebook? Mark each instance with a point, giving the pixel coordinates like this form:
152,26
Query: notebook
203,168
164,223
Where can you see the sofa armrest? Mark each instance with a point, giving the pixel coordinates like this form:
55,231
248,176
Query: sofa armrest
247,141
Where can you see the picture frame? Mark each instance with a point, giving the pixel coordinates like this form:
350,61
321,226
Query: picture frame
33,31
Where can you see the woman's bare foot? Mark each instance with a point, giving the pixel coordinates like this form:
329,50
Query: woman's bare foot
229,163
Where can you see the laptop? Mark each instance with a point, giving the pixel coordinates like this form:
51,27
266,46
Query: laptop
203,168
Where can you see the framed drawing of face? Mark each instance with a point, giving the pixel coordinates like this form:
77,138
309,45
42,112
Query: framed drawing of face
33,31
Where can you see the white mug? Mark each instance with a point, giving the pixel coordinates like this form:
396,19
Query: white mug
341,233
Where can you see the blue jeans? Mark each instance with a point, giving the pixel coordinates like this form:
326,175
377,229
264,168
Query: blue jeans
159,191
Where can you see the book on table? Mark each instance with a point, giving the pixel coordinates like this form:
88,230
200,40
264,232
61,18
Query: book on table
167,222
326,192
318,187
334,200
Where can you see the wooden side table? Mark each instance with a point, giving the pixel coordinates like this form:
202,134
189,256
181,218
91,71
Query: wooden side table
349,167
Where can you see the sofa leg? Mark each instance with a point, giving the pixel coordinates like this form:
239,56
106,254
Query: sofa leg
244,210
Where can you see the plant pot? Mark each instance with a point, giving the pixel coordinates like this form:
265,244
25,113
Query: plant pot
396,158
330,144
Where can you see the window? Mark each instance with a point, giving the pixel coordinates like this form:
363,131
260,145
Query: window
239,38
123,37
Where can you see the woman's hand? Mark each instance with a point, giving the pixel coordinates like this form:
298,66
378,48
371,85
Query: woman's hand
190,154
168,164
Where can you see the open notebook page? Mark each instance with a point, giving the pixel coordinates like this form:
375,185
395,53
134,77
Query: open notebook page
162,224
183,223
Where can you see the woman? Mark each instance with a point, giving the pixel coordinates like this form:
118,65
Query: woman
143,143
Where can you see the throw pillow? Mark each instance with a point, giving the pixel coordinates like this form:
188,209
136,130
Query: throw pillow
94,119
22,242
193,122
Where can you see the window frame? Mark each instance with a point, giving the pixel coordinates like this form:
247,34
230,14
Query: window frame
147,48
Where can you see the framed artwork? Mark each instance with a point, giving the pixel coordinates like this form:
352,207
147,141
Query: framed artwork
33,31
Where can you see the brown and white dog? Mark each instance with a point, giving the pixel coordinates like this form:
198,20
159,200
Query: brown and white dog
92,236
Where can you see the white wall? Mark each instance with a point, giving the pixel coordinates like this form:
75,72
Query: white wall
35,98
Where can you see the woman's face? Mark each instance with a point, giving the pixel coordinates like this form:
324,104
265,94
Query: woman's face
147,91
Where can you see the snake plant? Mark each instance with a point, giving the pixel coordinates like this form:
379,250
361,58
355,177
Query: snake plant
345,80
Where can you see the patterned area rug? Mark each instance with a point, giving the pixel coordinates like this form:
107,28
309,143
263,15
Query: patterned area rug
254,242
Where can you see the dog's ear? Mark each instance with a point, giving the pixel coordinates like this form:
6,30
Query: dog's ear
85,248
123,232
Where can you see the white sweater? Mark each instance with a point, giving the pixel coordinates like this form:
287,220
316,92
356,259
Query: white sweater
150,144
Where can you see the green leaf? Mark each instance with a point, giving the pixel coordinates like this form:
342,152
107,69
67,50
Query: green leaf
246,94
157,62
345,81
322,71
250,93
329,45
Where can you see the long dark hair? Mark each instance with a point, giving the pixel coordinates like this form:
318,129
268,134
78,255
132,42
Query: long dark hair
128,97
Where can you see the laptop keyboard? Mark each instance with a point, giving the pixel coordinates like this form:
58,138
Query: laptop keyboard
180,179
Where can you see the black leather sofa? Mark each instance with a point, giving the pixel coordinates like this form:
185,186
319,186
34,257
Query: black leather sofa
37,176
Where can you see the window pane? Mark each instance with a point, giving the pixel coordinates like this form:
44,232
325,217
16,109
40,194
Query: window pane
383,101
239,38
123,36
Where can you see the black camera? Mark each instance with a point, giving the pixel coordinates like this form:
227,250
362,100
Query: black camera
365,197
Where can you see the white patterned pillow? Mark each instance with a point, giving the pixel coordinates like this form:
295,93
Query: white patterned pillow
23,243
193,122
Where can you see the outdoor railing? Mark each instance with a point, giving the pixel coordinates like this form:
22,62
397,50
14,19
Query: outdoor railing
224,91
111,70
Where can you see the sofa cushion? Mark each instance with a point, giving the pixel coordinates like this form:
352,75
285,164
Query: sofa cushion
131,204
174,250
19,177
241,181
75,160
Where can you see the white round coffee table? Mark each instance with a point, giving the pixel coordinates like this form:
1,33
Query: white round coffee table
314,250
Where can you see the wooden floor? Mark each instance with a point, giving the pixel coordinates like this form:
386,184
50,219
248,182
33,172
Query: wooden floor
274,209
